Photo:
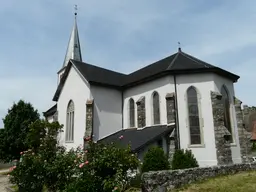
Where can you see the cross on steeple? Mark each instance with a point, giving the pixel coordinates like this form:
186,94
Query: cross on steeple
75,10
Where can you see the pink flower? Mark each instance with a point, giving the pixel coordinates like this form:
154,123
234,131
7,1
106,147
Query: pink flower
14,167
121,137
86,151
8,175
81,165
21,152
86,162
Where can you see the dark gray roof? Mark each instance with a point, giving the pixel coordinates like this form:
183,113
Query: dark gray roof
138,138
178,63
50,111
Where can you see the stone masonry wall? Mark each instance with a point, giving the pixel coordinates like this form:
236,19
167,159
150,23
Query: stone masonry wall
141,112
163,181
170,107
242,132
89,121
222,135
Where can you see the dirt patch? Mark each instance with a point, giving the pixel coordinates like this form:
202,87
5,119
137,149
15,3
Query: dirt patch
4,182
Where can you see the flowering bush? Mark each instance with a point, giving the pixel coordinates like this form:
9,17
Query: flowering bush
28,174
104,168
99,168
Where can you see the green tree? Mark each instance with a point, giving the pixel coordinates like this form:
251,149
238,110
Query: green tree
155,160
16,127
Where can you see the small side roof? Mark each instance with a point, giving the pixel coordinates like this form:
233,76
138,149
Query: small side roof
138,138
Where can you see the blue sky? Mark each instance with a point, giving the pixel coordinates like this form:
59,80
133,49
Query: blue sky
120,35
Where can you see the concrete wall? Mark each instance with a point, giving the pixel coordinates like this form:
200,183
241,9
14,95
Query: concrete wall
107,117
204,153
162,86
77,89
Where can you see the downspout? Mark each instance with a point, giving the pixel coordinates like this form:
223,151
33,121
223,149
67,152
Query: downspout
122,110
176,113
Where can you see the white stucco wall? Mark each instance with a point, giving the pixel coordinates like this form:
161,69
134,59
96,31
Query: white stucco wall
235,146
107,117
77,90
205,153
50,119
162,86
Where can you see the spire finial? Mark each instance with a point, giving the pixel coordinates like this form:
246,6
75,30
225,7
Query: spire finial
75,10
179,47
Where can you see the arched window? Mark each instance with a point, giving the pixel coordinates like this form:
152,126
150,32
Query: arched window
70,122
226,105
132,113
156,108
193,113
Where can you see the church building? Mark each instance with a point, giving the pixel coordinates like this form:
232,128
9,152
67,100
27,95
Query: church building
177,102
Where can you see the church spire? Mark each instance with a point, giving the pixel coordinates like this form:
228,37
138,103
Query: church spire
73,49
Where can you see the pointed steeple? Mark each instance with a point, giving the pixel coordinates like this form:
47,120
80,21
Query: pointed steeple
73,49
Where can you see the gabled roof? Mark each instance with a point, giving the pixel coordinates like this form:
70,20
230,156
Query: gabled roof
50,111
138,138
178,63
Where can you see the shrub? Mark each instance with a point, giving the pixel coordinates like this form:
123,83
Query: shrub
28,174
38,163
104,168
155,160
183,159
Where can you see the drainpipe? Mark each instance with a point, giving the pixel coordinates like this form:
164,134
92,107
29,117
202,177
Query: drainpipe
177,130
122,108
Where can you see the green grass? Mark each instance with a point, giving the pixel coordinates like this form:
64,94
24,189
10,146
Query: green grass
241,182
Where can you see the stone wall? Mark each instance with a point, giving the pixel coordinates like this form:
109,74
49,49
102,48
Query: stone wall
89,121
222,135
141,112
242,132
163,181
170,107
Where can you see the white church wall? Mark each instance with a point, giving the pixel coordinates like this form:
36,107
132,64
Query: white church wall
77,90
50,119
235,146
107,117
162,85
205,153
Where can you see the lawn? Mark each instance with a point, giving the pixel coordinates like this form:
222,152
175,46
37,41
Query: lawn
242,182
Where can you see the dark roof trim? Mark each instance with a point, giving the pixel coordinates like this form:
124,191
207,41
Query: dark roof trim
169,131
62,82
148,135
50,111
105,85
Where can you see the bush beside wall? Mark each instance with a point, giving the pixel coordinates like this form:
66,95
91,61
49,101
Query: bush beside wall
161,180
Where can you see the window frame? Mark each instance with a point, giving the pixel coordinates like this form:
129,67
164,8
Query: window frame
155,93
200,119
70,117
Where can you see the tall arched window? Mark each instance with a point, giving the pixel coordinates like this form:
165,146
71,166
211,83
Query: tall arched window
226,105
132,113
70,122
156,108
193,113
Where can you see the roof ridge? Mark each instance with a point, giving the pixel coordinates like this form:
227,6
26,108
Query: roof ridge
174,59
196,60
75,61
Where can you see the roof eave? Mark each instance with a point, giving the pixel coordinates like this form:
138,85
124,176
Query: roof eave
154,139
